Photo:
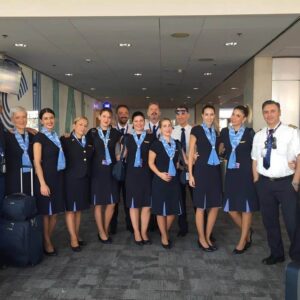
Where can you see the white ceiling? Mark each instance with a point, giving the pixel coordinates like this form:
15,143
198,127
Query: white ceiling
66,42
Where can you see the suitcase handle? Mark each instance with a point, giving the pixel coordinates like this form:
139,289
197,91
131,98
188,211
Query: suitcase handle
31,179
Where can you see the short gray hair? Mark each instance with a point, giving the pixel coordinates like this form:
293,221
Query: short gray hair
16,109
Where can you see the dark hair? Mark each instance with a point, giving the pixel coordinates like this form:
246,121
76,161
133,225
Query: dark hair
208,106
182,106
120,106
243,108
269,102
46,110
162,120
137,114
104,110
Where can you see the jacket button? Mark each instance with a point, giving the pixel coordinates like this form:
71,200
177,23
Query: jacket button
84,151
84,159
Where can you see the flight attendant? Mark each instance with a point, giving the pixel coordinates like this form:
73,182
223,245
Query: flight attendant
205,177
104,188
240,198
77,178
19,153
138,178
166,190
49,163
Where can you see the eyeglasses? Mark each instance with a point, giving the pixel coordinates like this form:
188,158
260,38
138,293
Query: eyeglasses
180,111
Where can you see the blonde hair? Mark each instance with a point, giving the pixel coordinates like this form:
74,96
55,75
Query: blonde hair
16,109
80,118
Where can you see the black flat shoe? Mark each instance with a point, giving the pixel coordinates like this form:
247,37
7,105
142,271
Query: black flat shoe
237,251
139,243
82,243
108,241
249,243
52,253
209,249
76,249
147,242
271,260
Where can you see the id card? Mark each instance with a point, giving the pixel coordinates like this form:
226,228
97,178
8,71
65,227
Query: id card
187,176
237,165
105,163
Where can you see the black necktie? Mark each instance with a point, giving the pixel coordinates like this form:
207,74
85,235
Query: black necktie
122,131
154,130
267,158
182,139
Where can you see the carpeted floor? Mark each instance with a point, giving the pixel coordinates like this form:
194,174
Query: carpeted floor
124,270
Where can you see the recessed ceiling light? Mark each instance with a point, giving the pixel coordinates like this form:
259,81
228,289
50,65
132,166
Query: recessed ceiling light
234,88
144,89
127,45
230,44
195,88
180,35
107,97
188,97
137,74
69,74
88,60
92,88
179,70
207,73
21,45
148,97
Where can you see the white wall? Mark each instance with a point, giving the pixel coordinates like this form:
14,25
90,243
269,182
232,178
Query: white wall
286,88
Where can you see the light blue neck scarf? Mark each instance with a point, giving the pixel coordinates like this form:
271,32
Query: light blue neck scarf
235,139
139,142
24,145
170,150
82,143
105,140
53,137
212,137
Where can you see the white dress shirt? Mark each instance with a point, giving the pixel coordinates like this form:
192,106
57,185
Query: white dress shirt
127,127
176,135
288,147
149,126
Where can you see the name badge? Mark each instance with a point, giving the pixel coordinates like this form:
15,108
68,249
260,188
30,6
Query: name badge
105,162
237,165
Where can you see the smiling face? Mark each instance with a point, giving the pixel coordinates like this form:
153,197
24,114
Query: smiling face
271,113
208,116
80,127
48,121
166,128
19,119
182,116
138,123
153,113
123,115
105,119
237,118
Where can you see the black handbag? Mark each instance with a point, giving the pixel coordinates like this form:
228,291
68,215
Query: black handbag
184,171
118,170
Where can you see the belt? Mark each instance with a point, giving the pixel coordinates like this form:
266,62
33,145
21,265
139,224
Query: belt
277,178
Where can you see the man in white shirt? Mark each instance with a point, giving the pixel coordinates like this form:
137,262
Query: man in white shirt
122,113
274,147
181,132
153,114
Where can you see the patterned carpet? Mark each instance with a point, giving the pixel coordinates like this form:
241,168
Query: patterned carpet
124,270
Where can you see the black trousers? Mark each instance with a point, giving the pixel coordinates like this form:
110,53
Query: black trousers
272,195
114,220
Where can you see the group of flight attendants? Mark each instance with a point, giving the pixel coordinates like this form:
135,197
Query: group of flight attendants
75,171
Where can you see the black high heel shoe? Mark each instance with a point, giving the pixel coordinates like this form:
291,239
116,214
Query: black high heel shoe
147,242
76,249
108,241
52,253
209,249
166,246
237,251
248,244
139,243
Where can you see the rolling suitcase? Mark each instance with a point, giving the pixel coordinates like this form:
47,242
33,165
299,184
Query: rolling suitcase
19,206
21,242
292,281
